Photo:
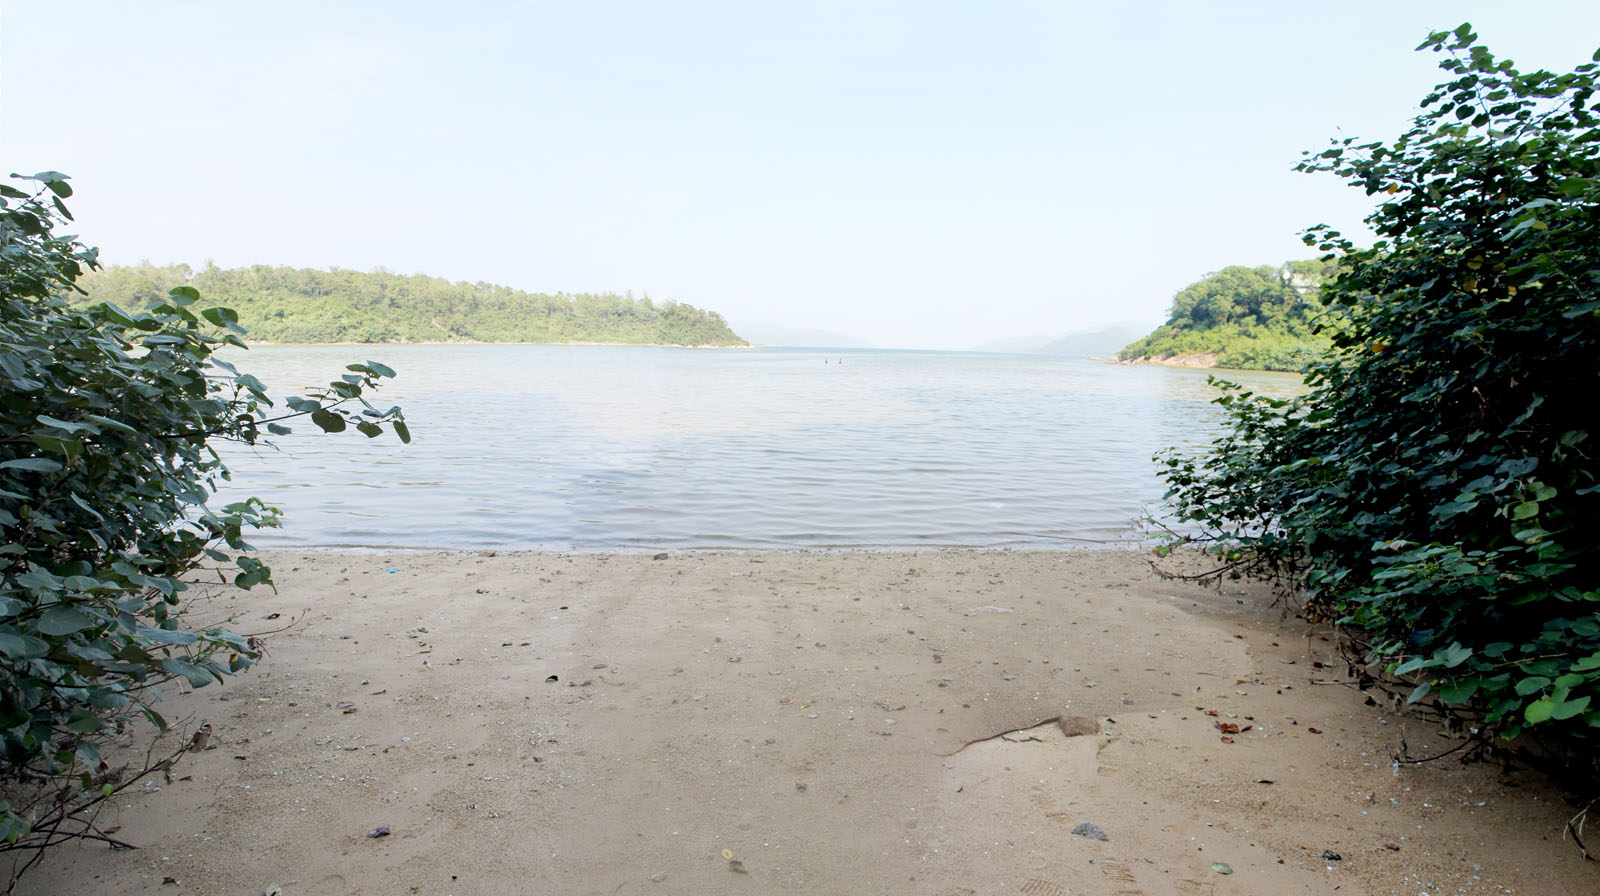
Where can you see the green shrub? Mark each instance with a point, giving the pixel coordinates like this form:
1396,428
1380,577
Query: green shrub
107,425
1436,492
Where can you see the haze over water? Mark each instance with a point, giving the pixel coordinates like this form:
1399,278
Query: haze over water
613,448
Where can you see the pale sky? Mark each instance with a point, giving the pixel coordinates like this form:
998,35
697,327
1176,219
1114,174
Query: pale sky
916,174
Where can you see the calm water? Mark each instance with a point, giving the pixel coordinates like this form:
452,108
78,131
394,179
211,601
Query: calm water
598,448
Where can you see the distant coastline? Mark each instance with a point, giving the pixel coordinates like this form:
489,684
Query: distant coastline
1198,359
254,342
283,305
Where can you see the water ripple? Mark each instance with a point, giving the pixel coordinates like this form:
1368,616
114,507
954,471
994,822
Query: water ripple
611,448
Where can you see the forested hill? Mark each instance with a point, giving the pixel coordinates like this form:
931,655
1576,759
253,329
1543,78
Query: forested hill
280,304
1242,318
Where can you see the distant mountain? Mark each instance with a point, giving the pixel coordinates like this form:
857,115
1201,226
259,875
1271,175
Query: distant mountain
1022,345
1101,342
779,335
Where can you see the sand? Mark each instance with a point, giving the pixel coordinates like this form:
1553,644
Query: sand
851,723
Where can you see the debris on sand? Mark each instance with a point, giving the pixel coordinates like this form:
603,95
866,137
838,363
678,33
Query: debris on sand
1092,831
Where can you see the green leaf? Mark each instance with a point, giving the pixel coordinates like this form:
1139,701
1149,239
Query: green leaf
108,423
220,316
116,315
1524,510
87,508
402,431
328,420
71,428
1538,711
83,583
68,448
195,675
34,464
1413,664
223,317
58,621
22,647
1532,685
163,636
1569,708
1455,655
84,723
40,580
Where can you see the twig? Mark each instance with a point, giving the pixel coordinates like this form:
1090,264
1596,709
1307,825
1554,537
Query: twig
292,623
1575,828
1408,761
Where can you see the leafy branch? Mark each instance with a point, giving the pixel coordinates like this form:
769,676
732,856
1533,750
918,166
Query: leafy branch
107,465
1432,492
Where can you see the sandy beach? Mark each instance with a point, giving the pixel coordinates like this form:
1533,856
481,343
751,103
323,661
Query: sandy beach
940,723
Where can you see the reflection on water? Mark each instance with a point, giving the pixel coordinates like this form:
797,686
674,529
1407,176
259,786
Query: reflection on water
629,448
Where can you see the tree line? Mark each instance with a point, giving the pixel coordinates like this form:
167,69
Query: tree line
285,304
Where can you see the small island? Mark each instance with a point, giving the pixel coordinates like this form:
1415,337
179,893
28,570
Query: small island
1242,318
307,305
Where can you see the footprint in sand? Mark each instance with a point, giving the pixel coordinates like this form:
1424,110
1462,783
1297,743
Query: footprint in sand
1109,765
1046,803
335,883
1122,876
1043,888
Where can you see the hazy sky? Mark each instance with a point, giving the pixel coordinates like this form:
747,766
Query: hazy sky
917,174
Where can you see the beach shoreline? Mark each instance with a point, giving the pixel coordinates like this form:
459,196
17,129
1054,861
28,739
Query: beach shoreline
941,722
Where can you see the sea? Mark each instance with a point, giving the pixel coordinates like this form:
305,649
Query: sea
635,448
